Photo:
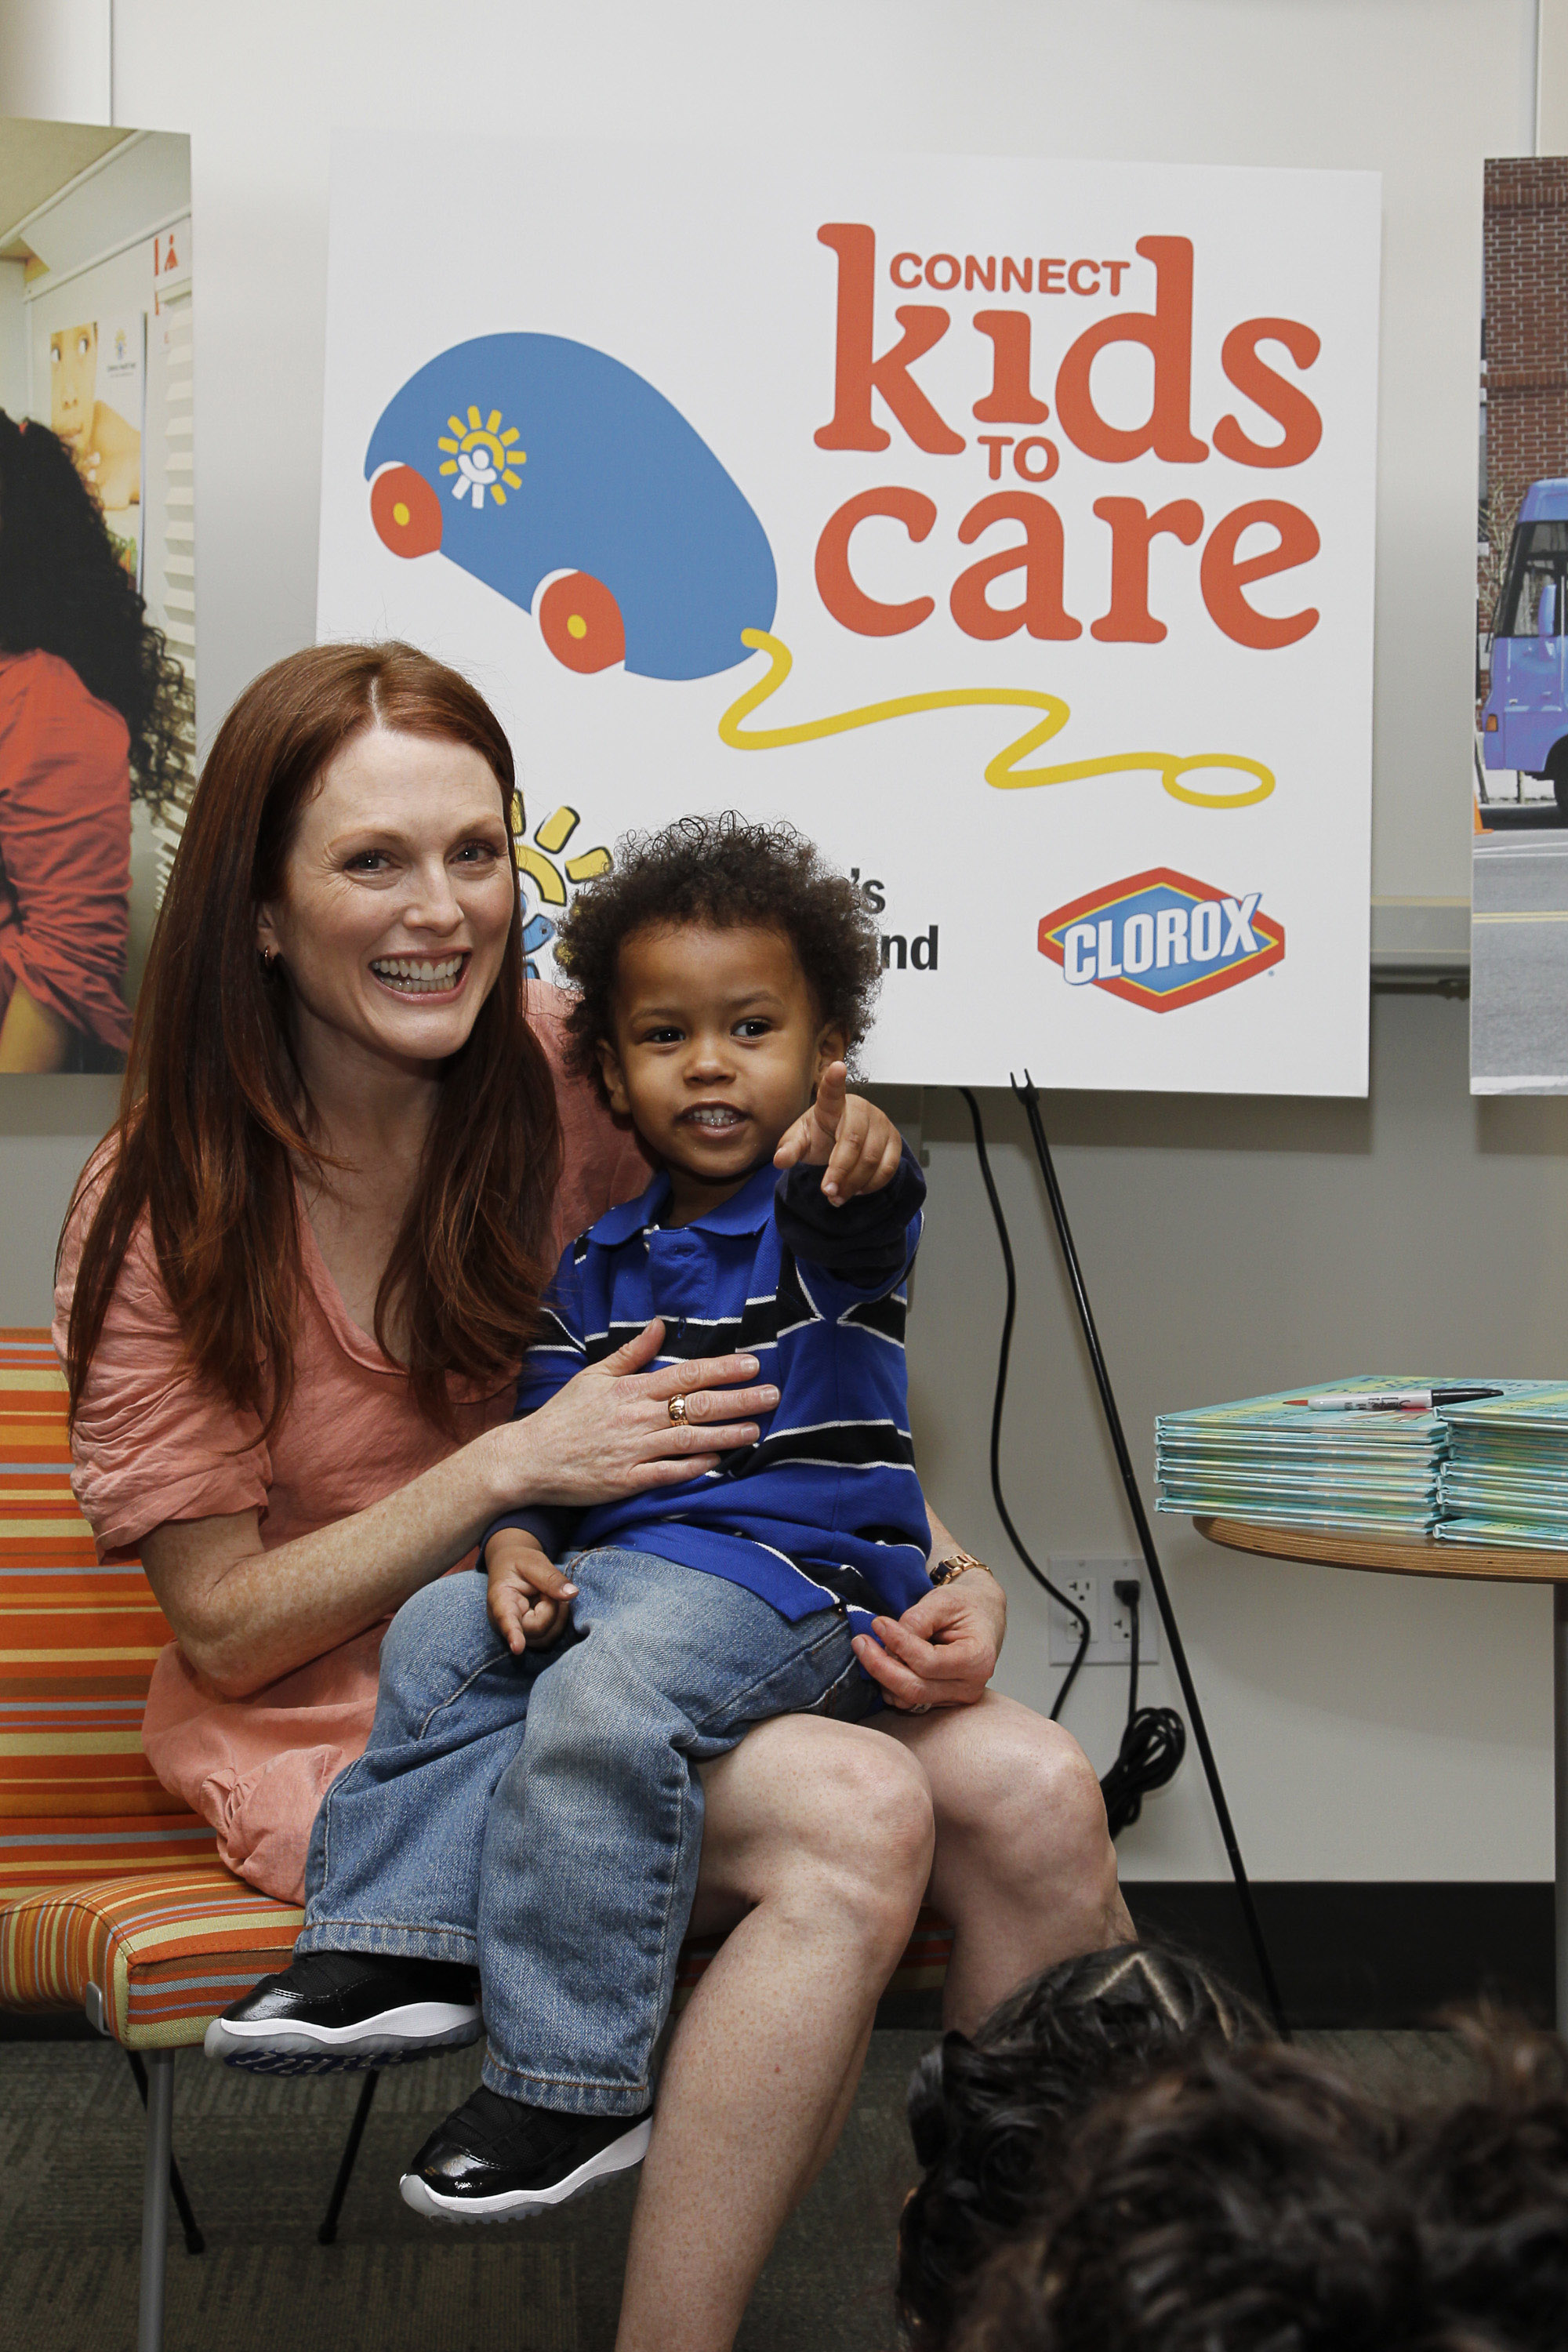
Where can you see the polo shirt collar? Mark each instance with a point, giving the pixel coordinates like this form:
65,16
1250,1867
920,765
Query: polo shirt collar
745,1211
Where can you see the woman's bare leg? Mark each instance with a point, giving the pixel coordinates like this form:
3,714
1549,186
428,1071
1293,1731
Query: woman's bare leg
820,1851
1025,1868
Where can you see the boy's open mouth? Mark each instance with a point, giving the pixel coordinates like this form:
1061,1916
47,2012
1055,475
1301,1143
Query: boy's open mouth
716,1118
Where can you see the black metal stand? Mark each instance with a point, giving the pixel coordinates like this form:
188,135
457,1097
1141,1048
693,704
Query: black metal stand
195,2242
327,2233
1027,1095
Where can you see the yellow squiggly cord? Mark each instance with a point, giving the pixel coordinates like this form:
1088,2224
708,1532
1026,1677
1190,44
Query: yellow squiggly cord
1004,770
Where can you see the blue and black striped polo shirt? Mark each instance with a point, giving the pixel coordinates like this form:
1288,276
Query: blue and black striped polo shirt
825,1508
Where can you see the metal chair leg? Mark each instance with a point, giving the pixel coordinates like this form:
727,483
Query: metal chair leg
156,2198
327,2233
195,2242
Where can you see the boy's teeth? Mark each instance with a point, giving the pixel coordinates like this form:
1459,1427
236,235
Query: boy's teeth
714,1118
418,974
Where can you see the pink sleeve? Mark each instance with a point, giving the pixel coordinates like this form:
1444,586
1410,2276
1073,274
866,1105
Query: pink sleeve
150,1442
604,1163
64,845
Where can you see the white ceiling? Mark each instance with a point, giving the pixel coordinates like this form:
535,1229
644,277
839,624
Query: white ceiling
37,159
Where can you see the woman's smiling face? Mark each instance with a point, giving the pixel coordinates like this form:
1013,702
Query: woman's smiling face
398,896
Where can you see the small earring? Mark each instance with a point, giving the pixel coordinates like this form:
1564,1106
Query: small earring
268,956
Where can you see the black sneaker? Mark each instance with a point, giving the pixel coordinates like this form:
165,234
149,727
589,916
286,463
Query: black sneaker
498,2160
329,2011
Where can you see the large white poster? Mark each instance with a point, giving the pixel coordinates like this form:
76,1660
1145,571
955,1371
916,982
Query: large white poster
1005,525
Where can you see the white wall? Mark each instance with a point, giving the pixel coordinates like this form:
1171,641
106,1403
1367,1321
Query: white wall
1368,1728
57,60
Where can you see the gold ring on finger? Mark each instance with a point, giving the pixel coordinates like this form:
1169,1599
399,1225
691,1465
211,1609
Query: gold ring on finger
678,1411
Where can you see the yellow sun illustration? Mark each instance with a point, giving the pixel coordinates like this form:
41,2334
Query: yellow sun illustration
552,836
482,457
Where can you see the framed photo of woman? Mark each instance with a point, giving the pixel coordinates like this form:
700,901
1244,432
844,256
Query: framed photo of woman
97,576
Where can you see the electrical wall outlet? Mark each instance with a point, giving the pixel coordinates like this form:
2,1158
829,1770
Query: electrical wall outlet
1092,1584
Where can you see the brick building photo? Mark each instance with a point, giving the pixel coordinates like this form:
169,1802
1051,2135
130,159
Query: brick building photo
1524,350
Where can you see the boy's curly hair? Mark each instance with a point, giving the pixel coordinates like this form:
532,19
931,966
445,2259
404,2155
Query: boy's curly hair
722,871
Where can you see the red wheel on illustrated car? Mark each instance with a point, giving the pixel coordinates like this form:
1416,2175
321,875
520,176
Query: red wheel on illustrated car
581,623
406,511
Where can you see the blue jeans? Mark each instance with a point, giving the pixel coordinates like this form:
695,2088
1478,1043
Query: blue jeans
542,1815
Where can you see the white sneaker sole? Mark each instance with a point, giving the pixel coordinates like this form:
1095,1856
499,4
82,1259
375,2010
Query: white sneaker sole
523,2204
264,2046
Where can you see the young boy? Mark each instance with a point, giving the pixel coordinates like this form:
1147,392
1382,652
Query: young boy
721,976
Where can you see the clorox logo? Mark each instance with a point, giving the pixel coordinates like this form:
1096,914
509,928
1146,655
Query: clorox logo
1161,939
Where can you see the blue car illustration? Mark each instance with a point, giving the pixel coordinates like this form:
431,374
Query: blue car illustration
520,457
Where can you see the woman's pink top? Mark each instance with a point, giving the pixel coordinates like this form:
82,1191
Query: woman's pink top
65,846
151,1445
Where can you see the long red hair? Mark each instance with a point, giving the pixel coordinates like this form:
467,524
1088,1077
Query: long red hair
212,1123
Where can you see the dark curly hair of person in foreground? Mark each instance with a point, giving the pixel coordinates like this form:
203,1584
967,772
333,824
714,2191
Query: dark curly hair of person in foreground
723,872
1257,2200
1125,2161
989,2114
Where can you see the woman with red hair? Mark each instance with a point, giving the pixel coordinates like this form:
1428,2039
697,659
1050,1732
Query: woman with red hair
293,1289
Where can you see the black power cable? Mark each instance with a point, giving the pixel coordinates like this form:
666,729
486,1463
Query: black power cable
1153,1738
1029,1098
1148,1759
999,1401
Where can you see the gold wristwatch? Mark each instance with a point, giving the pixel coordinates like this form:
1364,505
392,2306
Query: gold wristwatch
955,1564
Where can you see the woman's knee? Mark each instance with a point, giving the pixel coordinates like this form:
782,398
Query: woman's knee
831,1820
872,1837
881,1809
1025,1793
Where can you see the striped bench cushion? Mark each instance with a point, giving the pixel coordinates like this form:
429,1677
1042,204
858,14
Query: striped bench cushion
106,1883
40,1857
77,1639
166,1950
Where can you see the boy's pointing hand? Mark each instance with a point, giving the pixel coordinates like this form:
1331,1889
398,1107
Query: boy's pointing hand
856,1145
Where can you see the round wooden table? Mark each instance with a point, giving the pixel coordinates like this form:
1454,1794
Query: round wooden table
1428,1557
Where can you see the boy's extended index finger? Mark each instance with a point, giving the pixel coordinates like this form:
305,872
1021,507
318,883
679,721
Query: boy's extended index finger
832,1088
844,1173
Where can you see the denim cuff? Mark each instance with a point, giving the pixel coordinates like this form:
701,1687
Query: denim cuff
390,1942
587,2098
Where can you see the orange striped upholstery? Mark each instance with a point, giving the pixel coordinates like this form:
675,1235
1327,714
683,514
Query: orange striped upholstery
77,1646
105,1881
166,1950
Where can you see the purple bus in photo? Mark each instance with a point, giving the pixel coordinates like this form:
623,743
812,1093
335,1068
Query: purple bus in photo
1524,721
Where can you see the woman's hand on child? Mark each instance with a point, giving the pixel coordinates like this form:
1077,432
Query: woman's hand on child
529,1600
610,1431
856,1144
943,1651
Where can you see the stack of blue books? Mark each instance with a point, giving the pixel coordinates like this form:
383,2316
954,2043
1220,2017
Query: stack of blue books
1274,1460
1466,1474
1505,1480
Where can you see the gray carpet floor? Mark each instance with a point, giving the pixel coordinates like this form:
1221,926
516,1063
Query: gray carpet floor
259,2157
